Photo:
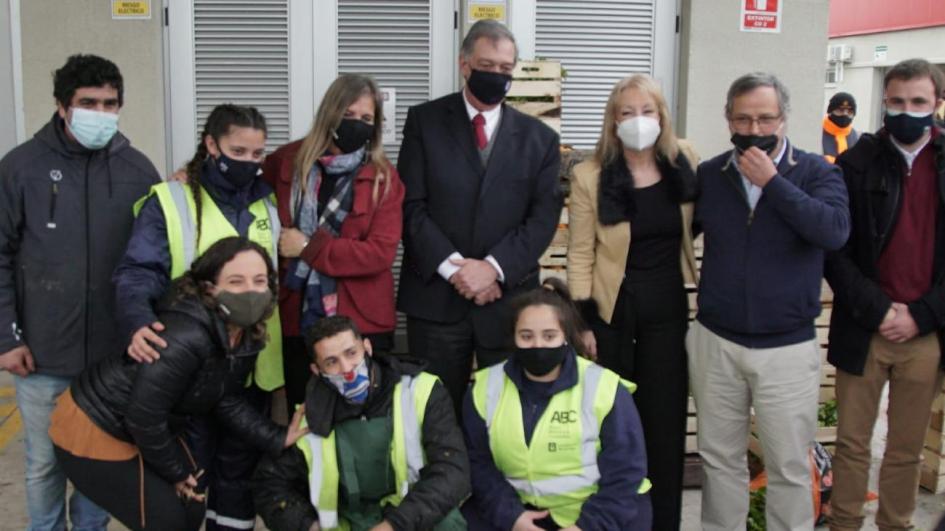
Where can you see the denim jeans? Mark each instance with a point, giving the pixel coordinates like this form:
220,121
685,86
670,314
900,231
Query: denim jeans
36,397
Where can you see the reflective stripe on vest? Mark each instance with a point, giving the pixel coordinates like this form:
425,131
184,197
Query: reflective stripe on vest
410,397
322,464
180,212
558,470
409,405
186,212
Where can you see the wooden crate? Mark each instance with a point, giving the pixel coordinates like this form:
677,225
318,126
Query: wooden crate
932,471
536,91
931,481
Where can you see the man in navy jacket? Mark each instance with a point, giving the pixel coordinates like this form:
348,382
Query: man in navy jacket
769,212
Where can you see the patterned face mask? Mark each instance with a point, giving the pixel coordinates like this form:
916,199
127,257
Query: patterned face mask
352,385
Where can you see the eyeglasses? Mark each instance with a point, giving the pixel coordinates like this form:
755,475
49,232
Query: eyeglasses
764,122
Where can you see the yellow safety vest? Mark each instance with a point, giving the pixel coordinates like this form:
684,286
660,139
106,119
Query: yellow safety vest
558,470
410,399
180,211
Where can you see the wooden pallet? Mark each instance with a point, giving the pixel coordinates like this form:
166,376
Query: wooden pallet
536,91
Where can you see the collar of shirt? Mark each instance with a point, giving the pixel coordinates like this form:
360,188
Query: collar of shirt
491,116
910,156
752,191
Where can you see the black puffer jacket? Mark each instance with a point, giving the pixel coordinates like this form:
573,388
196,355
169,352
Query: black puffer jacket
281,490
148,404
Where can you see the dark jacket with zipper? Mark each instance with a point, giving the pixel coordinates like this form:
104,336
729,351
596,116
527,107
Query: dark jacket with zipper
282,493
762,268
198,373
873,170
65,216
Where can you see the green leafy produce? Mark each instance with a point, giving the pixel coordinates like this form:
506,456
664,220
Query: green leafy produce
827,413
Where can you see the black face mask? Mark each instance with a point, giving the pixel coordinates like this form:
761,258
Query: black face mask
907,128
841,120
765,143
240,173
542,360
489,87
351,135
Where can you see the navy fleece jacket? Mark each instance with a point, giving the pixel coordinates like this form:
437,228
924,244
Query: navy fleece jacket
762,269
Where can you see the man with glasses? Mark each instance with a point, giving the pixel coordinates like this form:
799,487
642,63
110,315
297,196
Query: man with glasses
889,297
768,211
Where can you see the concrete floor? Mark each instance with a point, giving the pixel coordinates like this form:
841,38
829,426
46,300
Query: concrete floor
13,499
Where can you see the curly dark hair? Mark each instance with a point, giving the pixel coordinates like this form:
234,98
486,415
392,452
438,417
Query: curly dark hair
553,292
329,327
205,271
86,71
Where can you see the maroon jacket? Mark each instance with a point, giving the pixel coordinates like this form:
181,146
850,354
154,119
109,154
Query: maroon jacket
360,259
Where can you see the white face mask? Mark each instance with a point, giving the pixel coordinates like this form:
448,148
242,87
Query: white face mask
639,132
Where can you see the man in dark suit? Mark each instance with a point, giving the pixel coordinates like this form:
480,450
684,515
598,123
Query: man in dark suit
481,206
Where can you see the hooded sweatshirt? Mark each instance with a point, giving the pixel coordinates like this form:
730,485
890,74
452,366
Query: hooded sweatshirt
65,216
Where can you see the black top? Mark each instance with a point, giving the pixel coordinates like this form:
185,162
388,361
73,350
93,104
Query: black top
326,188
655,234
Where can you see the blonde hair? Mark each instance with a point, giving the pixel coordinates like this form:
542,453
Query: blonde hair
344,91
609,146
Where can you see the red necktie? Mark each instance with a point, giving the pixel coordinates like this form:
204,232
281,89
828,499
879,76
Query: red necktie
479,124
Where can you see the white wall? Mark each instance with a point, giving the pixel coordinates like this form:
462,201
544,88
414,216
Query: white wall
863,77
713,53
52,30
7,102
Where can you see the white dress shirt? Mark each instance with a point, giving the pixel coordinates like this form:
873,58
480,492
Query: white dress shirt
909,156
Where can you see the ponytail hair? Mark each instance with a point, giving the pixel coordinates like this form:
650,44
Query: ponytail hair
218,125
554,293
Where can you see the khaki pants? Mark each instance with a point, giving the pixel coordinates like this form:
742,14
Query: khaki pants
912,369
782,384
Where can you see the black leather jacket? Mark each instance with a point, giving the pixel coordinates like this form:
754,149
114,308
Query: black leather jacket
148,404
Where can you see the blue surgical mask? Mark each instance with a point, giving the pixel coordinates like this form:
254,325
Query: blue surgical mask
93,129
352,385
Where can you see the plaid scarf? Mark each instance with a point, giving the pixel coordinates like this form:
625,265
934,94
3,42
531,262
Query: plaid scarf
319,291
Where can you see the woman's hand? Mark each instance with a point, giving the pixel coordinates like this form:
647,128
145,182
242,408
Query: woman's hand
179,176
185,489
295,431
291,242
141,349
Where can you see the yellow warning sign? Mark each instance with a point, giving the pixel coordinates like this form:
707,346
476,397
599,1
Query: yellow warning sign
124,9
486,11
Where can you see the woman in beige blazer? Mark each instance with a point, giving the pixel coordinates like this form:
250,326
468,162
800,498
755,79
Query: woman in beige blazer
633,295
